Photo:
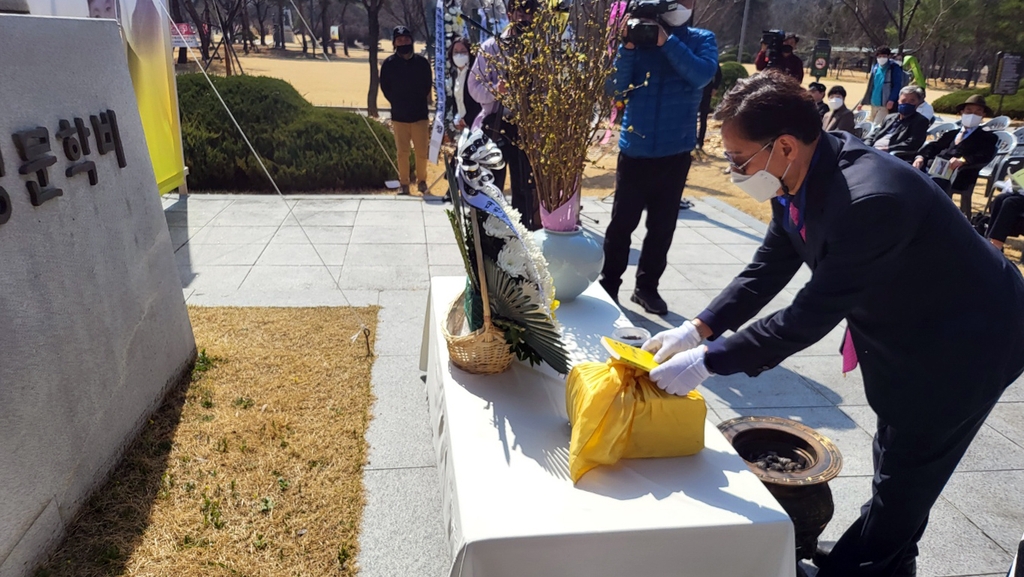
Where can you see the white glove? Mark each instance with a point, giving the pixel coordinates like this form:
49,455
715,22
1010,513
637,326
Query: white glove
667,344
682,373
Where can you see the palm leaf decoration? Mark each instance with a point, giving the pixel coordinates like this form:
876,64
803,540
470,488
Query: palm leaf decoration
537,330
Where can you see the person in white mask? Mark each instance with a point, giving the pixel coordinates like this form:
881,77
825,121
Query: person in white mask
968,151
463,108
932,311
838,117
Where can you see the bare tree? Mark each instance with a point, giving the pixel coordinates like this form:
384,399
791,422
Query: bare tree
412,14
262,10
202,27
900,16
373,8
345,5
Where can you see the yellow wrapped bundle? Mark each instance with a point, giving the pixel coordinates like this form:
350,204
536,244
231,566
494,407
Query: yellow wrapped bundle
616,412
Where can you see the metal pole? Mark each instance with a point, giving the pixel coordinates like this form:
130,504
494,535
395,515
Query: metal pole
743,30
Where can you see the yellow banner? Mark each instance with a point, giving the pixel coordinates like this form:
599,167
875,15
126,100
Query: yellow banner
147,31
150,60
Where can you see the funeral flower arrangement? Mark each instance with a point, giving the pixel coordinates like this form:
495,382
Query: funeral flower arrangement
556,70
520,289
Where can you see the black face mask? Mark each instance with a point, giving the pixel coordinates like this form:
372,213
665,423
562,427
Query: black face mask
404,50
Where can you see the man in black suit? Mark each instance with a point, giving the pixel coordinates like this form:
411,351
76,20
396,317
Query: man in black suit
903,133
932,310
968,150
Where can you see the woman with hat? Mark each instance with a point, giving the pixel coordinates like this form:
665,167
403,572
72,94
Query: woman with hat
968,151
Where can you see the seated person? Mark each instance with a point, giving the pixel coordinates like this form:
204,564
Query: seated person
1007,210
902,134
817,91
926,110
838,117
968,150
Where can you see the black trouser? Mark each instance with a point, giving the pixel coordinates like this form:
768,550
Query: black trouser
655,184
702,117
517,166
1007,209
911,469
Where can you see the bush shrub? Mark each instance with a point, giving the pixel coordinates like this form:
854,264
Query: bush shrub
1013,106
731,72
304,147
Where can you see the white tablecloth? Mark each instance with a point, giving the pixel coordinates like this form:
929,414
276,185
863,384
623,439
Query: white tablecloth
510,508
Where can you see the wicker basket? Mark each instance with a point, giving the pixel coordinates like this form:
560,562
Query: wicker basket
482,352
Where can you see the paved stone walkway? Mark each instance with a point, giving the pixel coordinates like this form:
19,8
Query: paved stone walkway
250,251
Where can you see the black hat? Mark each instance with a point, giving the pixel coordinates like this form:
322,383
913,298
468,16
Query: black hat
816,86
975,99
401,31
792,36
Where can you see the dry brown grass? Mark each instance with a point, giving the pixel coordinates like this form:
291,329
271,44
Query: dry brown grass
254,469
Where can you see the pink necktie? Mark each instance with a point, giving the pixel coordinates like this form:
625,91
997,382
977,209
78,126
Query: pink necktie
794,213
849,353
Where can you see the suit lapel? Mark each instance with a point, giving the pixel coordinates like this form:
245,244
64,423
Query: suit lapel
816,192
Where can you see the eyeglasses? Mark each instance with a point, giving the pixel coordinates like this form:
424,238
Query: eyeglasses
738,167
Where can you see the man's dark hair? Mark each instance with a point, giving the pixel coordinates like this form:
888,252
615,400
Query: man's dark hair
817,87
883,50
837,90
768,105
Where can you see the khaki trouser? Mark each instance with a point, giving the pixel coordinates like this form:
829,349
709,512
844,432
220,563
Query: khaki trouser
878,114
419,134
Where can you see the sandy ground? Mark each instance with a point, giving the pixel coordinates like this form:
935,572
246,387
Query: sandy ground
344,81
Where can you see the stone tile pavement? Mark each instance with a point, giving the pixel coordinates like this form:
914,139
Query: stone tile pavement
376,250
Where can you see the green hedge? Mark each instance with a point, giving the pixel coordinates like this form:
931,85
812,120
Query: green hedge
304,147
1013,106
731,72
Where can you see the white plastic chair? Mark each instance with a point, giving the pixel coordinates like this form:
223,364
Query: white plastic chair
1007,142
938,129
1019,135
997,123
863,129
860,116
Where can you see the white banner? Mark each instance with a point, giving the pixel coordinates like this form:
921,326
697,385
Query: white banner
440,58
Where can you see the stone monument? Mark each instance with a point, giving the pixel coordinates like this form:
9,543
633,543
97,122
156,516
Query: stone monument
93,326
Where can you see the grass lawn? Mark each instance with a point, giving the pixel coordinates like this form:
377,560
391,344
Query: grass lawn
255,468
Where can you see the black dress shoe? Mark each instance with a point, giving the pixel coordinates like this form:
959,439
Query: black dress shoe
650,300
908,568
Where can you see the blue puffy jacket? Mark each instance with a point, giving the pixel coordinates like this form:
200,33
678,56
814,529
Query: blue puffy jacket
661,118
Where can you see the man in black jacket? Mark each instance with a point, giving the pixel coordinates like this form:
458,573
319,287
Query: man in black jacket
903,133
932,309
406,81
968,150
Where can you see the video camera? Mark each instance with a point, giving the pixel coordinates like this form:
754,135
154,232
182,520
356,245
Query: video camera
773,39
641,28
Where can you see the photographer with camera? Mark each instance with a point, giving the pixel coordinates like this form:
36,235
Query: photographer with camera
777,52
662,67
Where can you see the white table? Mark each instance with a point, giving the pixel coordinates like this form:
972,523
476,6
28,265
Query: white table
510,508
